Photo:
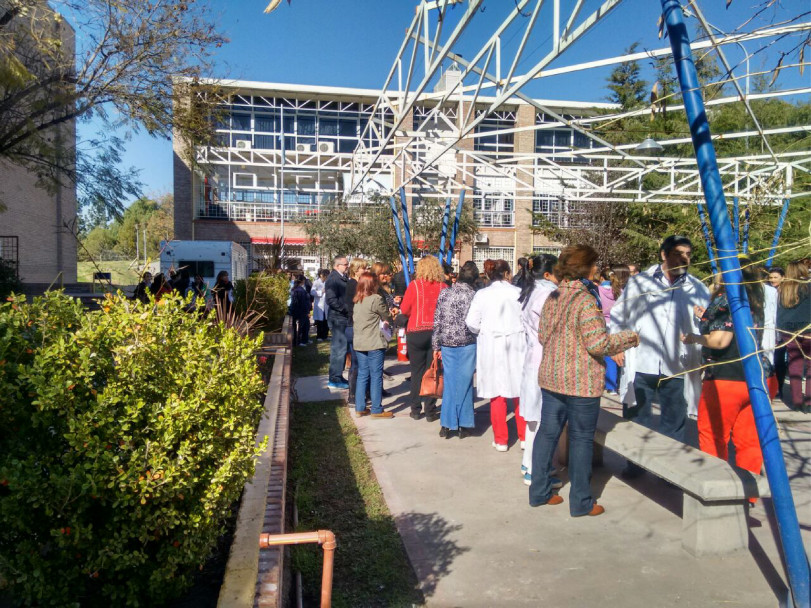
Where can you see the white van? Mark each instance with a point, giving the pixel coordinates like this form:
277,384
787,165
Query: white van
206,258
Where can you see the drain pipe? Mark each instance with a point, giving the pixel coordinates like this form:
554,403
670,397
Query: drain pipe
325,538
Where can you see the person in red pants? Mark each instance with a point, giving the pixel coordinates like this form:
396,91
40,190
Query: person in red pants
495,317
724,410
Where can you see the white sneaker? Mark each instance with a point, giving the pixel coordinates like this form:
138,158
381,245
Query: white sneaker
523,444
500,447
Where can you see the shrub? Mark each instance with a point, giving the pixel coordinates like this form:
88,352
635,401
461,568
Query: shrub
9,281
266,295
126,434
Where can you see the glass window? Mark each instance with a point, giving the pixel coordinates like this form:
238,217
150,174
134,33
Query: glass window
305,124
267,123
328,126
348,128
241,122
265,142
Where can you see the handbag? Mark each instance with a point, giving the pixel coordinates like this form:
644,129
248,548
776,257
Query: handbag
432,381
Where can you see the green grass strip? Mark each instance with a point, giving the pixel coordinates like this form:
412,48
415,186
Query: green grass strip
336,489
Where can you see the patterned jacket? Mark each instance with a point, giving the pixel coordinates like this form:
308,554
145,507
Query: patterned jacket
450,328
574,338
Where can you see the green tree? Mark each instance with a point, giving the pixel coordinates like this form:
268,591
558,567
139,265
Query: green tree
628,89
131,61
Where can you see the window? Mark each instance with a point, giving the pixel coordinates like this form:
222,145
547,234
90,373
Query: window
480,254
549,207
551,250
489,141
493,211
241,122
204,268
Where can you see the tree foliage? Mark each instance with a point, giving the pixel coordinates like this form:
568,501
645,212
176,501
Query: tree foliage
625,82
128,52
126,435
368,229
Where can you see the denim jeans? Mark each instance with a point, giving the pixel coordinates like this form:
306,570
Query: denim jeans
337,348
672,404
581,413
459,363
353,371
370,375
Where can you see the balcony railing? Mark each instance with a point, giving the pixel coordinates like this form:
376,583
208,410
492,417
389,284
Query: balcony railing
495,219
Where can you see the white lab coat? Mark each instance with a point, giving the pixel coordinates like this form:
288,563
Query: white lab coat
769,321
660,315
319,301
531,401
495,315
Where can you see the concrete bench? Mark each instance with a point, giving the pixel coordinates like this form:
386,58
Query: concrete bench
715,492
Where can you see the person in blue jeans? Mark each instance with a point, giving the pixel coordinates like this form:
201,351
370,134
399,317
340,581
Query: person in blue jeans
370,316
338,319
457,343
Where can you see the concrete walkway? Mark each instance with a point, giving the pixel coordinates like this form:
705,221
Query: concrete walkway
462,511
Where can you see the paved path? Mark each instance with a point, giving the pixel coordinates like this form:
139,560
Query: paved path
462,511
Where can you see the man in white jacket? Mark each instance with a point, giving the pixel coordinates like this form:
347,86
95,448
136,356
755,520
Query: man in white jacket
660,305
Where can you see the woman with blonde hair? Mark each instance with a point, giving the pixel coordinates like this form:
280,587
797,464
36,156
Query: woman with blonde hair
794,325
419,305
356,267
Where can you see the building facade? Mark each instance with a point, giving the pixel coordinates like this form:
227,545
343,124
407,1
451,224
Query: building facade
282,151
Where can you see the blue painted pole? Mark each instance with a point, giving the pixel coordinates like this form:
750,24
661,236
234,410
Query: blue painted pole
787,522
736,210
407,231
455,230
445,217
745,244
400,248
702,216
777,232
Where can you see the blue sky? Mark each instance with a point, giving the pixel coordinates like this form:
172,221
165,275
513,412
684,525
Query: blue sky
354,42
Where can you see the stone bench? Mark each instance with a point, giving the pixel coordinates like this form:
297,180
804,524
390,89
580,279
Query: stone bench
716,493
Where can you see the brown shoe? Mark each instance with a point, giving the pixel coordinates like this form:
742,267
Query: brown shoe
555,499
383,415
361,414
595,511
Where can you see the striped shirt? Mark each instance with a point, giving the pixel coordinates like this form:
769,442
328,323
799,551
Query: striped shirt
574,338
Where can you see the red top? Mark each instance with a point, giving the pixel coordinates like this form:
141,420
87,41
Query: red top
419,304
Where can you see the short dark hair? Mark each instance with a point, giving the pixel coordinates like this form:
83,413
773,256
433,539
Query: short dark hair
499,270
576,262
468,274
673,241
776,269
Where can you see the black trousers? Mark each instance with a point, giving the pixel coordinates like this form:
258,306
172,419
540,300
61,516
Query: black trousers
321,329
301,330
420,355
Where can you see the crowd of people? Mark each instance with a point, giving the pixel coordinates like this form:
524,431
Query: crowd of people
550,340
219,297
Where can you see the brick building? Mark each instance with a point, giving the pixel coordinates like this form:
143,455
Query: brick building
284,150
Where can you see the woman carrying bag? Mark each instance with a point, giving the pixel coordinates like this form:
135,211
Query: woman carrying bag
370,318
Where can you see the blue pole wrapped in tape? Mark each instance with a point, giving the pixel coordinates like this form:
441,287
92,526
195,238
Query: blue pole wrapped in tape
407,231
787,522
445,216
400,249
455,230
777,232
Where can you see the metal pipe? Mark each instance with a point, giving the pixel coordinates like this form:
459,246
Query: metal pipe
407,231
707,238
745,243
325,538
736,211
788,525
455,230
400,247
445,216
777,232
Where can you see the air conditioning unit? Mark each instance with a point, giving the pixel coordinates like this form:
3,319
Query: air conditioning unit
326,147
481,239
304,148
243,144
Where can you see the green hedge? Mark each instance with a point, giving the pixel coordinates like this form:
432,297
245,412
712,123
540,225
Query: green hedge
126,435
266,296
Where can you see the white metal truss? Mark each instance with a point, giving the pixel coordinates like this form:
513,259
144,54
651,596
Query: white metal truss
604,172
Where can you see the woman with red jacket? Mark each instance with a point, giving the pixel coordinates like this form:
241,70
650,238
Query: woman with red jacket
419,305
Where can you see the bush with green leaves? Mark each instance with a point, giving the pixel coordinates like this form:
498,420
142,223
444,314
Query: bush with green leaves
9,281
126,436
265,295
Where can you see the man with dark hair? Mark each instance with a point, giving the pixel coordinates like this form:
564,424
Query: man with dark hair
300,312
338,319
659,304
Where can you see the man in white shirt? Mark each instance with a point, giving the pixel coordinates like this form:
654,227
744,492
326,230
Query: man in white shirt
660,305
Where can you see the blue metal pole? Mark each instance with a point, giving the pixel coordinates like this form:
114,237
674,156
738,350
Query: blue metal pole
707,239
777,232
407,231
441,255
736,210
400,248
745,244
787,522
455,230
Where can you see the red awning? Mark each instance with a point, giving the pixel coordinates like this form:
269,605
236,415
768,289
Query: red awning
287,241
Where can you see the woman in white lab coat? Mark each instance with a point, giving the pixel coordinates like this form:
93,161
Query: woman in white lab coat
320,306
495,316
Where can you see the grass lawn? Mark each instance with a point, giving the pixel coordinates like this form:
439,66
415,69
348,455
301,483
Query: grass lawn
123,273
335,488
